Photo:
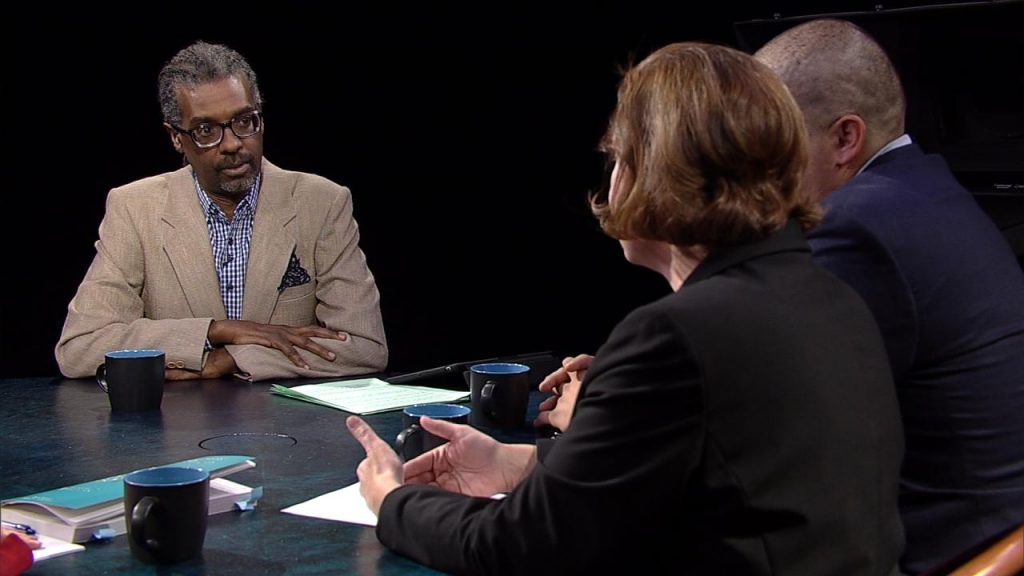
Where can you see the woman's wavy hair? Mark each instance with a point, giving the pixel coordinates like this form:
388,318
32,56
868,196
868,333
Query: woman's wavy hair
710,148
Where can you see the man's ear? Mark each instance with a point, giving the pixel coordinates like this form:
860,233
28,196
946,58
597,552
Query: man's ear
175,138
848,136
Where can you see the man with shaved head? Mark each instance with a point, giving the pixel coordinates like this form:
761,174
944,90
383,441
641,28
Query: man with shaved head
941,280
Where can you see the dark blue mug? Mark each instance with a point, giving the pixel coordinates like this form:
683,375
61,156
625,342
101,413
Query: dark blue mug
499,393
133,379
165,511
414,440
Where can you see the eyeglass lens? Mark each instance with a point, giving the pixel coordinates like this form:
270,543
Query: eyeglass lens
243,125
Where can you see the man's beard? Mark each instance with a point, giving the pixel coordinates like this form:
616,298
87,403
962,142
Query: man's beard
239,186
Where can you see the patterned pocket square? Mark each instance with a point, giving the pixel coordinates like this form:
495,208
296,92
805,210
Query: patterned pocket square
295,275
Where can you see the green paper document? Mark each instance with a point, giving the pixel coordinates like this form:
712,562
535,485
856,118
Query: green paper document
367,395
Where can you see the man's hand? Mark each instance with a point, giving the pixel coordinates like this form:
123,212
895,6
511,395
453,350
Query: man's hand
280,337
381,471
471,463
219,363
564,385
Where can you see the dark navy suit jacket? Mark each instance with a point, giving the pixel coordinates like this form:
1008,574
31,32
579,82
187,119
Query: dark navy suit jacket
746,424
948,295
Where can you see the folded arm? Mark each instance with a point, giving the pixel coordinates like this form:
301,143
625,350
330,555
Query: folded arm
107,311
347,304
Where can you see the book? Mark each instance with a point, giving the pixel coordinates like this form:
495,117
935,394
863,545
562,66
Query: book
95,510
224,494
367,395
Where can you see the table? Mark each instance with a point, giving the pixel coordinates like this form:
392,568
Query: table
58,432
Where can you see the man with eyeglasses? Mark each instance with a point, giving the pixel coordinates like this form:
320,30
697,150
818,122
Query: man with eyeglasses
230,265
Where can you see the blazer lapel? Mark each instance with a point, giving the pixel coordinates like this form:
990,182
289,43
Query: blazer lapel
273,241
187,245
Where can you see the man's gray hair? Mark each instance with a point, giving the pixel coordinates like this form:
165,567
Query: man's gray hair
197,64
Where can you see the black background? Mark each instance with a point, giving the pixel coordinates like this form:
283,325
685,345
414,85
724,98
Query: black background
467,134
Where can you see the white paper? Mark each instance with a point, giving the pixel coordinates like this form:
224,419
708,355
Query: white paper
368,395
51,548
345,505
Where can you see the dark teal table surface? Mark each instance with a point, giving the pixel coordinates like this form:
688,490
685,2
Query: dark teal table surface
59,432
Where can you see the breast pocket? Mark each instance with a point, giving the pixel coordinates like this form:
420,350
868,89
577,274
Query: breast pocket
296,306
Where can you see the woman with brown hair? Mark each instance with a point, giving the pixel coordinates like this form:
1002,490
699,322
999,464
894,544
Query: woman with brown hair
744,424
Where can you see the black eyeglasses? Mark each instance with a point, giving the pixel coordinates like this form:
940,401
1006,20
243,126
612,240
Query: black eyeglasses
209,134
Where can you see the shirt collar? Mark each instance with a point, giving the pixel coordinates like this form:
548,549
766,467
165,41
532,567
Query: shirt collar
900,142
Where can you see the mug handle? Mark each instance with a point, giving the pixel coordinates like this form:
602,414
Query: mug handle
140,512
101,377
487,399
404,437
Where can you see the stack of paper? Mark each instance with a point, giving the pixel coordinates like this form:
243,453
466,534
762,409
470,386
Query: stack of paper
367,395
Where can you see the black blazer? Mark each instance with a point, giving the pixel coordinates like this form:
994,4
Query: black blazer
746,424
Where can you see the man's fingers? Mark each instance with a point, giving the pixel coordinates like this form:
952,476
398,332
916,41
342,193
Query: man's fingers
559,417
556,378
315,348
581,362
365,476
562,375
548,403
420,470
442,428
543,419
357,428
315,331
303,338
365,435
292,354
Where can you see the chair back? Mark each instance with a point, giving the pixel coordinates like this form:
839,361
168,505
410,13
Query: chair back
1005,557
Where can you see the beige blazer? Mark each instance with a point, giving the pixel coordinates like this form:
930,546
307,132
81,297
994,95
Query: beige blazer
152,283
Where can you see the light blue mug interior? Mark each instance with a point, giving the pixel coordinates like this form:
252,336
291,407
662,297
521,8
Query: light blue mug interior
166,476
142,353
439,411
499,368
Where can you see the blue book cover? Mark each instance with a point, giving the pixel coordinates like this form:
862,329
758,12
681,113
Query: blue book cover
87,494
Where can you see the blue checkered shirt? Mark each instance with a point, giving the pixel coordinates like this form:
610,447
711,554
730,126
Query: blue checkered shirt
230,242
